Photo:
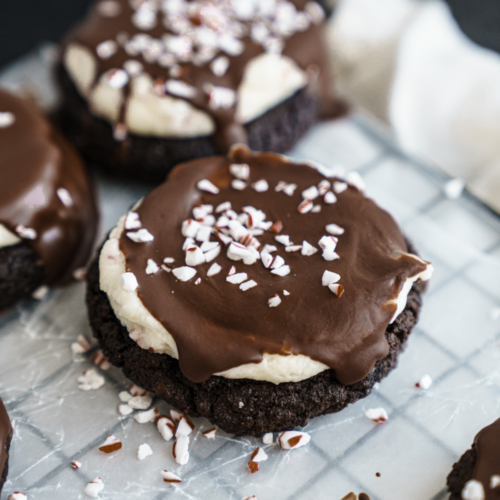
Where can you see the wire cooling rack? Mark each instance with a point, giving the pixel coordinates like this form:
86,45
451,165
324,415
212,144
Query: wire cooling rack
456,342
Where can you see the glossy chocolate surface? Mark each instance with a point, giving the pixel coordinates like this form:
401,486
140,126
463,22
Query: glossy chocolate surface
487,444
217,326
5,435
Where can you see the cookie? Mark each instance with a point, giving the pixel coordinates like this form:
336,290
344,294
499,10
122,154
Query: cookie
5,438
205,271
149,85
476,476
48,215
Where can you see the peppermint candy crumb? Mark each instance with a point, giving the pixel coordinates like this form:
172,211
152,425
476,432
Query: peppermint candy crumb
206,185
281,271
75,464
145,417
184,273
258,455
26,233
152,267
125,410
247,285
293,439
240,171
101,361
132,221
286,293
94,488
274,301
180,450
125,396
90,380
214,269
260,186
305,207
111,445
166,427
210,433
473,490
6,119
140,402
267,438
17,495
308,249
184,427
424,383
329,198
140,236
144,451
494,481
334,229
129,282
170,477
135,390
40,292
378,415
340,187
329,277
310,193
238,184
337,289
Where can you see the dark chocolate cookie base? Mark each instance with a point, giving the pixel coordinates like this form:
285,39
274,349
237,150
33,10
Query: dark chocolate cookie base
267,407
5,471
151,158
461,473
20,274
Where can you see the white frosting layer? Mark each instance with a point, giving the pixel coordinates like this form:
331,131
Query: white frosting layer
7,238
269,79
149,332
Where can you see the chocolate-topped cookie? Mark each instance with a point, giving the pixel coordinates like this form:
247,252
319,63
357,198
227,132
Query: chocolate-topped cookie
476,476
148,84
47,211
5,438
255,291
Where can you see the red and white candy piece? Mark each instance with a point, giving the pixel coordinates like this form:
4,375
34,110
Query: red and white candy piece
378,415
323,187
330,255
259,455
26,233
260,186
183,89
329,198
210,433
251,497
144,451
494,481
129,282
223,207
184,427
329,277
424,383
240,170
281,271
278,262
170,477
334,229
125,410
140,402
305,206
328,243
238,184
152,267
184,273
145,417
94,488
17,495
194,256
75,464
293,439
340,187
166,427
81,345
308,249
180,450
101,361
111,444
316,209
267,438
134,390
238,278
473,490
286,293
90,380
284,239
206,185
247,285
274,301
219,66
140,236
168,260
237,251
214,269
106,49
337,289
293,248
289,189
310,193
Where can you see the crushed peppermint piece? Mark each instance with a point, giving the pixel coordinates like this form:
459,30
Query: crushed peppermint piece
135,390
266,258
65,197
240,171
277,227
184,273
140,236
144,451
270,248
293,439
236,279
125,410
284,239
214,269
494,481
17,495
247,285
219,66
274,301
184,427
110,445
180,451
223,207
206,185
337,289
40,292
280,186
323,187
310,193
378,415
101,361
293,248
424,383
125,396
316,209
190,228
286,293
133,68
329,278
305,207
140,402
198,281
334,229
116,78
94,488
180,89
231,271
170,477
166,427
330,255
6,119
259,455
194,256
278,262
238,184
473,490
260,186
132,221
129,282
81,345
75,464
204,233
237,251
328,243
26,233
210,433
106,49
281,271
90,380
308,249
329,198
145,417
267,438
340,187
289,189
220,97
152,267
176,415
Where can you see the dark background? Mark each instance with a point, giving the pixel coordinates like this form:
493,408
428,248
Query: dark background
23,23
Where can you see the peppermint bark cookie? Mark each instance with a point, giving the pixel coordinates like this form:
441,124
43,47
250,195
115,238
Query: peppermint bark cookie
5,438
476,476
255,292
47,211
149,84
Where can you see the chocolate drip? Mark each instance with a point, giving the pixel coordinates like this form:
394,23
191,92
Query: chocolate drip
216,326
487,444
35,163
306,48
5,435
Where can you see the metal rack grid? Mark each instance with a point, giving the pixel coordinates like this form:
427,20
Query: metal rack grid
456,342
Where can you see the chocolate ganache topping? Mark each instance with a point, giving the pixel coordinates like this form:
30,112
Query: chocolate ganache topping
45,196
487,469
5,436
277,259
198,50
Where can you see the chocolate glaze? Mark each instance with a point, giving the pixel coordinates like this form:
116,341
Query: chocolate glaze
35,162
306,48
5,435
216,326
487,444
